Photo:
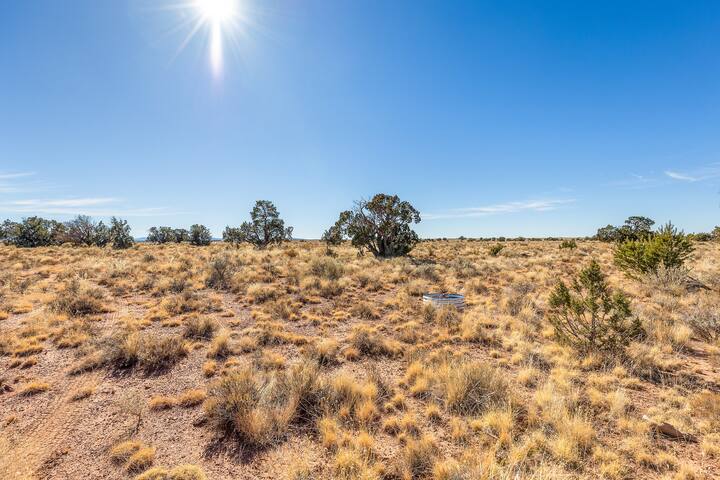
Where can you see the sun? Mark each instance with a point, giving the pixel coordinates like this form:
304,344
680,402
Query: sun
217,11
223,23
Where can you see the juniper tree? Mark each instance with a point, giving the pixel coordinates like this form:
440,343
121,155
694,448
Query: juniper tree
380,225
264,228
200,235
120,234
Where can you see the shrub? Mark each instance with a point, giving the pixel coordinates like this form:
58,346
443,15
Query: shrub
496,249
589,316
163,235
220,271
128,348
568,244
120,234
199,327
326,268
200,235
32,232
73,300
705,322
668,248
83,231
264,228
380,225
160,353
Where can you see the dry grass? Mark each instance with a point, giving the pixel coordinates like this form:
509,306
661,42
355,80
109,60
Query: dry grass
292,363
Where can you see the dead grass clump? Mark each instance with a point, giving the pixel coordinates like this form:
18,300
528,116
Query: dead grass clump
326,267
704,320
198,327
192,398
160,353
364,311
82,392
189,301
469,388
33,388
220,346
128,348
706,405
76,299
368,341
324,351
220,273
417,458
161,402
133,455
260,293
182,472
259,406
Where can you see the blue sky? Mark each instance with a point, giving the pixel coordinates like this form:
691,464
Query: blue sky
492,118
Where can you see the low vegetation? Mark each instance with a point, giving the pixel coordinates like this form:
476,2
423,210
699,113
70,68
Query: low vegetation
305,360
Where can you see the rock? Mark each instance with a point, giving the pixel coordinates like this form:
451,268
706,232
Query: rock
669,431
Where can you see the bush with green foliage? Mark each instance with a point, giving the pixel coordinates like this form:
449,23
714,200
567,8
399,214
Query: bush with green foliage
264,228
591,318
165,235
496,249
700,237
715,234
380,225
668,248
181,235
233,236
82,230
568,244
33,232
635,228
119,234
200,235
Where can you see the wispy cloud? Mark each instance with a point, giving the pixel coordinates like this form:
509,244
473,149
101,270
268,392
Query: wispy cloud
14,183
637,181
9,183
499,209
705,173
68,202
96,207
5,176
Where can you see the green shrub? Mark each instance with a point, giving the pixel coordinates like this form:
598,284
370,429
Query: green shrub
119,234
568,244
496,249
200,235
669,248
589,317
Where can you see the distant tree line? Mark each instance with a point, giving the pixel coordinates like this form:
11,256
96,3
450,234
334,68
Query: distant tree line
381,226
637,228
197,235
81,231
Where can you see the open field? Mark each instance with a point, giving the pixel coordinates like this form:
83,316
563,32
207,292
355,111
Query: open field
290,363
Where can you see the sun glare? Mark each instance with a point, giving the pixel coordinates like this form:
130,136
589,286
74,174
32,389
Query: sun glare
217,11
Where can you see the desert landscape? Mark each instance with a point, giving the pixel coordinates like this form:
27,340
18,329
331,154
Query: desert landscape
359,240
305,361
